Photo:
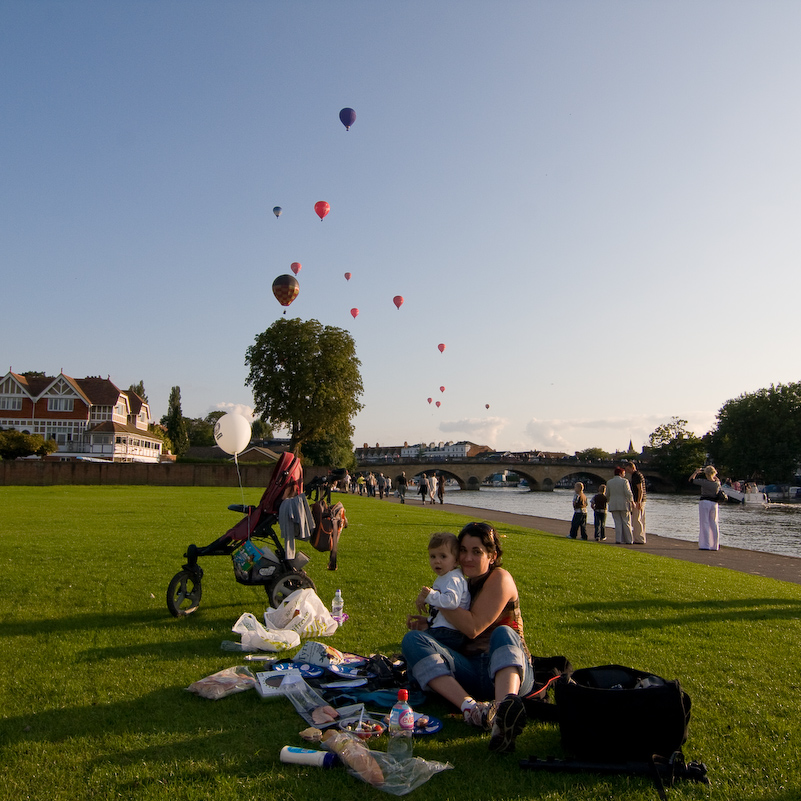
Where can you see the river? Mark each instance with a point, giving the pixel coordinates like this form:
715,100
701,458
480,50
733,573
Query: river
774,529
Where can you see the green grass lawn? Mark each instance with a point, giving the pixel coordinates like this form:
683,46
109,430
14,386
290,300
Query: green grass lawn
92,698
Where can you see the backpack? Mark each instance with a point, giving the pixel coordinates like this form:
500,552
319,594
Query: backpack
328,524
619,714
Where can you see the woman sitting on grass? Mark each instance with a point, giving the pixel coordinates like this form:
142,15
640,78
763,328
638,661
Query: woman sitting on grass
494,661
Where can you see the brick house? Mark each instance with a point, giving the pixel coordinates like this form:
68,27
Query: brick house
89,418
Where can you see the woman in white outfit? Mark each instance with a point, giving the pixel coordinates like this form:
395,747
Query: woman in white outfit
709,536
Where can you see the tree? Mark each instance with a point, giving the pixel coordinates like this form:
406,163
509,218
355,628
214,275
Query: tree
139,389
305,377
592,455
260,429
330,452
17,445
676,451
200,432
175,423
758,434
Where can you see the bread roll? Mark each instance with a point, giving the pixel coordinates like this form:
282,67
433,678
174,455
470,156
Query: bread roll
355,755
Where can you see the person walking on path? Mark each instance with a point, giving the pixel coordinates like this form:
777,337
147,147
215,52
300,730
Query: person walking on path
432,487
599,503
709,534
381,484
441,488
422,488
620,499
579,521
401,484
637,481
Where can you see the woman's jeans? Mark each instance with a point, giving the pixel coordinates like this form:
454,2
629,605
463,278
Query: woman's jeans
428,659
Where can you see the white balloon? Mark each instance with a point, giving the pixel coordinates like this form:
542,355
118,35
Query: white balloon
232,433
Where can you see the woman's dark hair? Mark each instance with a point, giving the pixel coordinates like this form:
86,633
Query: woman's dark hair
489,539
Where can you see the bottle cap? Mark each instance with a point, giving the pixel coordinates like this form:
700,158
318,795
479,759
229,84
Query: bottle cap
403,695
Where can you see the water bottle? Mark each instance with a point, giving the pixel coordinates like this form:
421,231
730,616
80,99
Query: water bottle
337,606
401,727
308,756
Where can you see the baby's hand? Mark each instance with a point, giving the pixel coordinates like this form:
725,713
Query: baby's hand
421,599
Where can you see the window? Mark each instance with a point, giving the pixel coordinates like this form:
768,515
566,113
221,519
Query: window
11,404
59,404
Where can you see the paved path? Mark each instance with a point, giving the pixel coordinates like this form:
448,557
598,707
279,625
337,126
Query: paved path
783,568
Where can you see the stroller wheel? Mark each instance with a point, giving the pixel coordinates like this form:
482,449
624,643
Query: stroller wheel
184,593
286,585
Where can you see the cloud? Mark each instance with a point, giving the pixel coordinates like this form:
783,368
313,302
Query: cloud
235,408
611,433
481,430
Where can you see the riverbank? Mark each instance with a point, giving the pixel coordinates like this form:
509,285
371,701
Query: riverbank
756,563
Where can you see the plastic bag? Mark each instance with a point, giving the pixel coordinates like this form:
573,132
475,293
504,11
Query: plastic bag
256,637
394,776
303,612
225,682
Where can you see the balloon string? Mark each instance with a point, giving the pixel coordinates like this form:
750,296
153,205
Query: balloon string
239,477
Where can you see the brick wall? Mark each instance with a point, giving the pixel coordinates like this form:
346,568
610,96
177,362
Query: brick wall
39,473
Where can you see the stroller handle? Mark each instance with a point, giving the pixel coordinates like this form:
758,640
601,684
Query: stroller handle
242,509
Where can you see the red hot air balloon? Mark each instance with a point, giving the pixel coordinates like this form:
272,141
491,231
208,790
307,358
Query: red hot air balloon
486,406
441,347
322,208
295,267
285,289
442,389
438,404
430,399
347,276
398,300
354,313
347,117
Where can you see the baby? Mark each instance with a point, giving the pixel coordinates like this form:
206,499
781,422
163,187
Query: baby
449,591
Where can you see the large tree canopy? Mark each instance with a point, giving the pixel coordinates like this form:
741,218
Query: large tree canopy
305,377
758,434
676,451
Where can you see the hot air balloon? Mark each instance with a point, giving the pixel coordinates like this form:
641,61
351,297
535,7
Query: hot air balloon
430,399
295,267
398,300
285,289
347,117
442,389
322,208
354,313
347,276
438,404
277,211
486,406
441,347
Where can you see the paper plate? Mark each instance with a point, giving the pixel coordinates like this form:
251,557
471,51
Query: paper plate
432,727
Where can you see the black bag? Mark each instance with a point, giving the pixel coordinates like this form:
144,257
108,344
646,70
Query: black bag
721,497
619,714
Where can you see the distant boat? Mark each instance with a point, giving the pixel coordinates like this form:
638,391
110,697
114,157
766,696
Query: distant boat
750,495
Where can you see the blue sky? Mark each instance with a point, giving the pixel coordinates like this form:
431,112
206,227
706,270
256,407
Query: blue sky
594,205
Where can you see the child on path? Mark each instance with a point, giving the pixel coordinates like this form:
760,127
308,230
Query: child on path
599,503
579,520
449,591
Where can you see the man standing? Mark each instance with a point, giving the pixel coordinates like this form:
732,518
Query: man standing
401,482
637,480
618,490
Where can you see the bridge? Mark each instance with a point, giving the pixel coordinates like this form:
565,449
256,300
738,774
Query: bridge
542,475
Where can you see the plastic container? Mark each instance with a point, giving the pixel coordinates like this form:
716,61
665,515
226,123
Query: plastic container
308,756
337,607
401,728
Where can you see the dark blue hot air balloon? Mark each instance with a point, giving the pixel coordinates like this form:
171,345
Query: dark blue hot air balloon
277,211
347,117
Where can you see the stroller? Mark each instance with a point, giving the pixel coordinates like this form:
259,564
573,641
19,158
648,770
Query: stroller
267,565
